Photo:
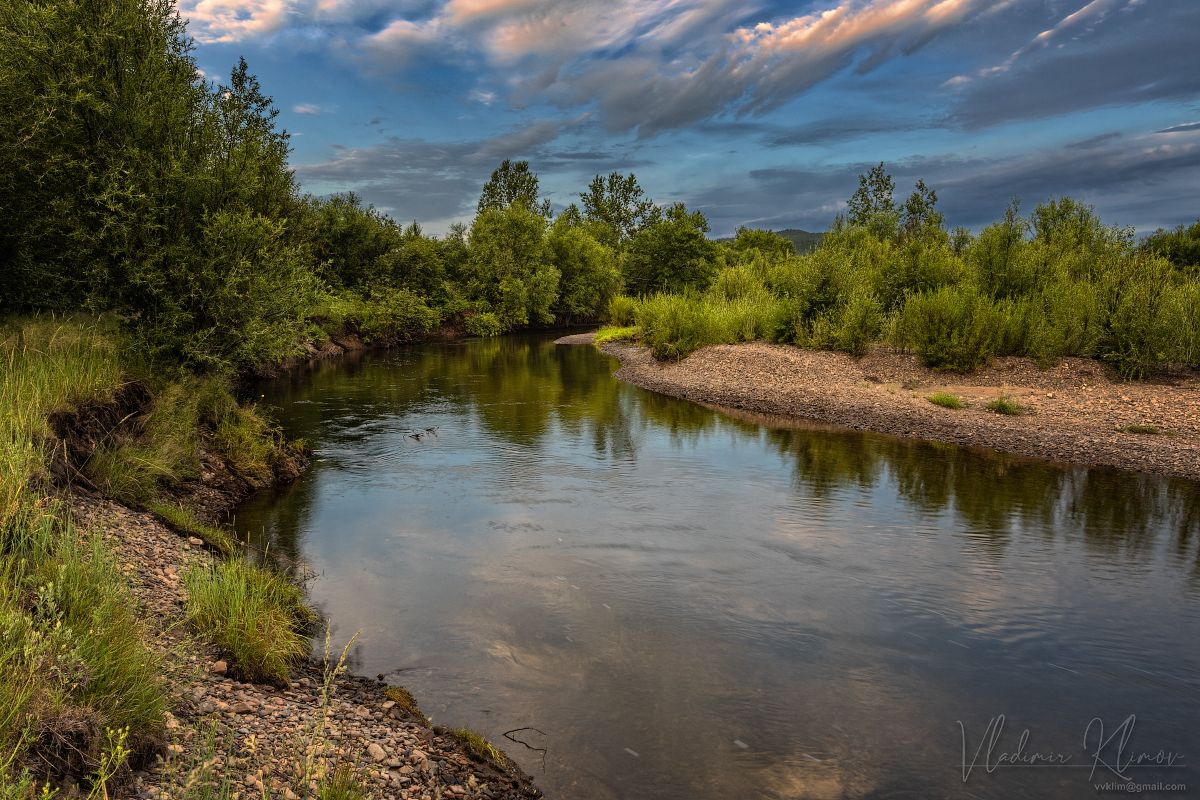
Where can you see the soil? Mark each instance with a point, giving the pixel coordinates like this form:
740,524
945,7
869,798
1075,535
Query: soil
1076,411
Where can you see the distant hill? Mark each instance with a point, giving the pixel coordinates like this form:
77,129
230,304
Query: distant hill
803,241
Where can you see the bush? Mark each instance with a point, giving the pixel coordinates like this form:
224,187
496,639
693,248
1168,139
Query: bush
483,324
621,310
255,615
954,328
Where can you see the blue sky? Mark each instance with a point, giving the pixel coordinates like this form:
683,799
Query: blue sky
760,114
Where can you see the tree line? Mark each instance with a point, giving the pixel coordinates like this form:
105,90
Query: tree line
131,185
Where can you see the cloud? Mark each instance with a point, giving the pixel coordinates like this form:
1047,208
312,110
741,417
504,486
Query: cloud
308,109
1149,56
1189,126
234,20
1139,181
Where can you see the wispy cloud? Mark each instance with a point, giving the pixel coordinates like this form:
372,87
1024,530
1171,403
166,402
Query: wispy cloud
308,109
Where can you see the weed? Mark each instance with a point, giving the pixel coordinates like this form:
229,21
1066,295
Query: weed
1143,428
946,400
478,747
403,698
1007,406
186,523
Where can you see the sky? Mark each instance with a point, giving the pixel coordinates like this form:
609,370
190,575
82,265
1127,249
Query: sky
757,113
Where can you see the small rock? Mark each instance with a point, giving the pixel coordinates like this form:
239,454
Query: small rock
376,752
242,707
218,667
195,541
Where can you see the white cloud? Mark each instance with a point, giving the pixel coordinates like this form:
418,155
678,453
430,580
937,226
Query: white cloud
308,109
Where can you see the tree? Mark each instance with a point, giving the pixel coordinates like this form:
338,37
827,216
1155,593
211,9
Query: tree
508,265
618,202
512,183
919,215
588,269
767,242
1180,246
671,254
874,197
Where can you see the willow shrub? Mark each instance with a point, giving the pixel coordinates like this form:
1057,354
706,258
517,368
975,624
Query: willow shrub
953,328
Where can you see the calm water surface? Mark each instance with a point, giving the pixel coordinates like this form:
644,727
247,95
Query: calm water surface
693,605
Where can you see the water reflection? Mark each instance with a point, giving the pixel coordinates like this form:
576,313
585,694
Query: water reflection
697,604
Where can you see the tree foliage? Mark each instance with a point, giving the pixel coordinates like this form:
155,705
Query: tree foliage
618,203
513,182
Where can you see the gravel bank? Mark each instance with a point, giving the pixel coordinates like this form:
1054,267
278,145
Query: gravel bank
263,731
1077,411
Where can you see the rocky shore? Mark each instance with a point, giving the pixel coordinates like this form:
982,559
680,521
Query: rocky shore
263,741
1075,411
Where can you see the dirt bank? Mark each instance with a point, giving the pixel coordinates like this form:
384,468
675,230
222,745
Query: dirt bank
1077,411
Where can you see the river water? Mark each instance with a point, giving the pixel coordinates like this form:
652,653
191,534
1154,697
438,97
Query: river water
689,604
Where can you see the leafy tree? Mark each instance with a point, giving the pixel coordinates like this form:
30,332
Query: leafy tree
766,242
1180,246
349,239
590,277
618,202
873,198
671,254
512,183
415,263
919,215
509,265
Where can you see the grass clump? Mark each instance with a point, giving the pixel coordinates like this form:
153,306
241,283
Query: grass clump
1007,406
185,522
73,653
403,698
341,784
947,400
255,615
478,747
1145,428
613,333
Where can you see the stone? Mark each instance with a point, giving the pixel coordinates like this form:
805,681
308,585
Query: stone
376,752
218,667
195,541
243,707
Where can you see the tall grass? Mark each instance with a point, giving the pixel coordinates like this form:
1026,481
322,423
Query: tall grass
46,365
257,616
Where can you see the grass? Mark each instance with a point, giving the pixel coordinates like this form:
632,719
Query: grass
1143,428
1007,406
479,747
947,400
186,523
255,615
73,651
341,784
613,333
45,366
403,698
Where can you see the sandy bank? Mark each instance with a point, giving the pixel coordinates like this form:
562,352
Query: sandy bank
1078,412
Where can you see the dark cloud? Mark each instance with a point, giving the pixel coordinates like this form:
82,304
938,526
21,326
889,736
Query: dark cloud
1138,182
1147,54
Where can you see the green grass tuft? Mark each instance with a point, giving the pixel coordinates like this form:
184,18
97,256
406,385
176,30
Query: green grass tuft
255,615
1007,406
947,400
612,333
478,746
186,523
1143,428
341,784
403,698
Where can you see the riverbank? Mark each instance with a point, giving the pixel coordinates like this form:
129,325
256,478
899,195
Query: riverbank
1074,412
259,740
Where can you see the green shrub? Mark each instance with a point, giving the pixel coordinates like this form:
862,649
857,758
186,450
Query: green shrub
621,310
946,400
393,315
675,325
953,328
255,615
1007,406
736,283
484,324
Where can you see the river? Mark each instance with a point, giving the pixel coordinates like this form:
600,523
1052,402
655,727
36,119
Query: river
690,604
